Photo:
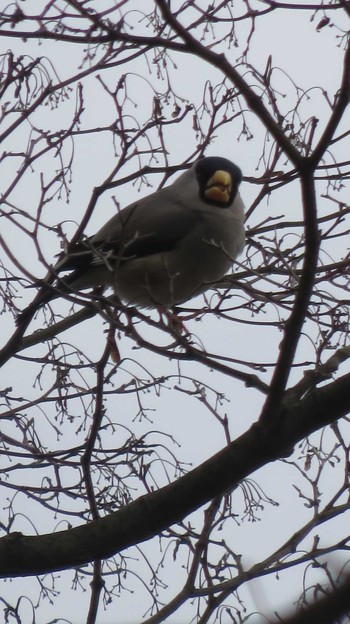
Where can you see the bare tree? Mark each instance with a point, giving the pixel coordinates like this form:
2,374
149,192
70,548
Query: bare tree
132,474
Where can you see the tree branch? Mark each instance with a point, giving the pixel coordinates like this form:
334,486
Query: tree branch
193,46
328,610
339,108
150,514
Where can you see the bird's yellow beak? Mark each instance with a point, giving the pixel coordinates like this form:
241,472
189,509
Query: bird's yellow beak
219,187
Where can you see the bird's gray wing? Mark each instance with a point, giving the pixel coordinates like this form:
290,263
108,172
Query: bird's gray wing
140,230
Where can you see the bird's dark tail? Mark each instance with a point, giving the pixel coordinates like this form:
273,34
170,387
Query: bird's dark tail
48,292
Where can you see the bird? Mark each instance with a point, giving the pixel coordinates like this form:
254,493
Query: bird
164,249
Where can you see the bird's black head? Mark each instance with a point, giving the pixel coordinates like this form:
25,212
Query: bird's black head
218,180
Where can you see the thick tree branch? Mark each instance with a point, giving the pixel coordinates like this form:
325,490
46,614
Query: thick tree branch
328,610
149,515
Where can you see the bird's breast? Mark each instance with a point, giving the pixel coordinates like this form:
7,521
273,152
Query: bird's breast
172,277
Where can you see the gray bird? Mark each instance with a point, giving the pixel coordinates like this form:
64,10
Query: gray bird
167,247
